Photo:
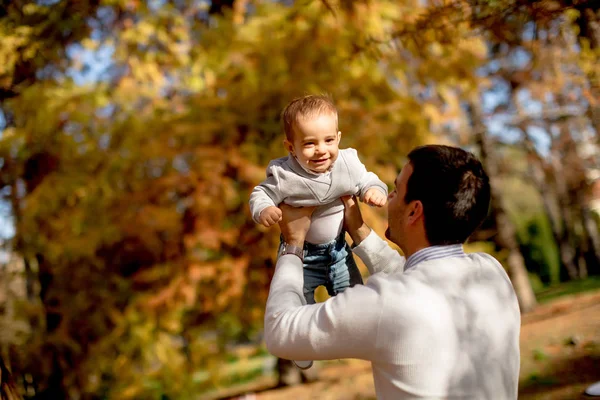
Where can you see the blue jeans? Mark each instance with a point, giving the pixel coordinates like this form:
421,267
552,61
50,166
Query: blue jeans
329,264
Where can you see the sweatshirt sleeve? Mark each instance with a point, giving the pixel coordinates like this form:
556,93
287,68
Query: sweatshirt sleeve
267,193
344,326
366,179
378,256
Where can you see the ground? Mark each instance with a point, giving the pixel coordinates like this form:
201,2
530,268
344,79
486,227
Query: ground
560,357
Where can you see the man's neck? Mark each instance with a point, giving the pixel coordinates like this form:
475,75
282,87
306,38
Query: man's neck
418,241
412,249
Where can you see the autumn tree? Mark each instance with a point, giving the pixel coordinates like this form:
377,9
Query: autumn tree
548,79
130,188
135,132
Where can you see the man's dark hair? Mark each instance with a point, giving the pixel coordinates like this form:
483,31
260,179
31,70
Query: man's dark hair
454,190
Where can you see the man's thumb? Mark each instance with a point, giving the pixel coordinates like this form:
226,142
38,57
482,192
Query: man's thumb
348,201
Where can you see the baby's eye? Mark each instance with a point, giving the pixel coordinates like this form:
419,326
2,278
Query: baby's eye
329,140
308,144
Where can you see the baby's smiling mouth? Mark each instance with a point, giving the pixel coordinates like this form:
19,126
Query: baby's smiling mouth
320,161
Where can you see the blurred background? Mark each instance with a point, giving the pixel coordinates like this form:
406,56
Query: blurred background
132,133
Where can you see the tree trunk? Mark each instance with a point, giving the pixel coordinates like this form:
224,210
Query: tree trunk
506,230
567,238
589,28
8,389
591,230
516,263
545,185
290,375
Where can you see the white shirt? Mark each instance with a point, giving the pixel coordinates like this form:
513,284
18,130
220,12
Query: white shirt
446,328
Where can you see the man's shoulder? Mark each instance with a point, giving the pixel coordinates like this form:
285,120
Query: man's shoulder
407,299
447,265
486,258
397,283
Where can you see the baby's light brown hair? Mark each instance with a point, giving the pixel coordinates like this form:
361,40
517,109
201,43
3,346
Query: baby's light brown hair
305,107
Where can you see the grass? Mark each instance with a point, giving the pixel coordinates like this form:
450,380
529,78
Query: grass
535,379
568,288
560,352
539,355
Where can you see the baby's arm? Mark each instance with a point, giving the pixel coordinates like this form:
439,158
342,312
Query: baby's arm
371,189
375,197
270,216
264,200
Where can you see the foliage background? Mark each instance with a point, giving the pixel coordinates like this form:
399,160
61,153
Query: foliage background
134,132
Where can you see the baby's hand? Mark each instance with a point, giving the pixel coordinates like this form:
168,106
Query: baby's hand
374,197
270,216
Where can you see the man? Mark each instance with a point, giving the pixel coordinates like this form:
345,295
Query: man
438,324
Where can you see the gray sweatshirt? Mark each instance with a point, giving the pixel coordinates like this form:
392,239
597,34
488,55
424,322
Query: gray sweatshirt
289,183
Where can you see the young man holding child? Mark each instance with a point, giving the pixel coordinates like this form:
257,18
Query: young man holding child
438,324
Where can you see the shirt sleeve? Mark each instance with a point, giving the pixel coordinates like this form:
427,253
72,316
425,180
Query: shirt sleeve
267,193
344,326
366,179
378,256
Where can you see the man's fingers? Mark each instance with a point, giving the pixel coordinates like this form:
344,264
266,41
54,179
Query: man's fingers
295,223
348,201
295,211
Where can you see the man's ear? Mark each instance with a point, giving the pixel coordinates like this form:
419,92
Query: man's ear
289,146
415,211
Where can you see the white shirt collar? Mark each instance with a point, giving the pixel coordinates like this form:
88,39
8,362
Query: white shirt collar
432,253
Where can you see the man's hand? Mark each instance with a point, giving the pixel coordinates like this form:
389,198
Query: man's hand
353,220
270,216
295,223
375,197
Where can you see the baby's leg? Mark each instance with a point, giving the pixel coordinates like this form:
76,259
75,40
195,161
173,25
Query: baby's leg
315,273
343,272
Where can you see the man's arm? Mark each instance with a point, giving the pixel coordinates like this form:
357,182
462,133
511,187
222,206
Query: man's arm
377,255
344,326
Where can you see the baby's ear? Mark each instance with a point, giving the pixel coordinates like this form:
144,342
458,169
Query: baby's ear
339,136
289,146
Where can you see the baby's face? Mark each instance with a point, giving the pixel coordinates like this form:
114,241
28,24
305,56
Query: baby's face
316,141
